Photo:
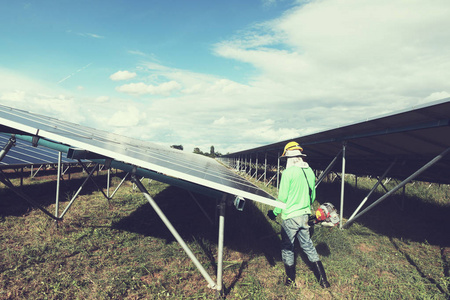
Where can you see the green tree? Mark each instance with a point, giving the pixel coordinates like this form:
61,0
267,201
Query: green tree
197,151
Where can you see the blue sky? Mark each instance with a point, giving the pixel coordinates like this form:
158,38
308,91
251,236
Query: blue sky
233,74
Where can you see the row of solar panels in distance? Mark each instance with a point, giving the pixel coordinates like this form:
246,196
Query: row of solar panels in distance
24,153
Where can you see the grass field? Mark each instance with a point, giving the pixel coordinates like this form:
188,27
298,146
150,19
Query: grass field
119,249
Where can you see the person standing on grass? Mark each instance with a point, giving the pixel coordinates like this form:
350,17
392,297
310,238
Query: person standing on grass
297,190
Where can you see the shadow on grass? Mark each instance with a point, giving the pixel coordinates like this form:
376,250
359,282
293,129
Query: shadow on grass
407,218
246,231
419,270
410,218
44,194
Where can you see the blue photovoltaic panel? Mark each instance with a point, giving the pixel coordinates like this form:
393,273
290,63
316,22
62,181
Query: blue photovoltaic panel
174,163
24,154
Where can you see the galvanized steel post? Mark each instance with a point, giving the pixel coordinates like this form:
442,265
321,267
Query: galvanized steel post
58,179
220,243
342,184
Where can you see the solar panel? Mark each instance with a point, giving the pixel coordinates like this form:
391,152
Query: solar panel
189,167
413,137
24,154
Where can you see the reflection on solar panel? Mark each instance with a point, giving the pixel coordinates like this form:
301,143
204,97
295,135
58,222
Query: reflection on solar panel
189,167
24,154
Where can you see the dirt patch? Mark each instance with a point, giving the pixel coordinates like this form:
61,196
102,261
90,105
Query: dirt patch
365,248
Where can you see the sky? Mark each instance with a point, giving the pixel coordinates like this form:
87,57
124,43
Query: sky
233,74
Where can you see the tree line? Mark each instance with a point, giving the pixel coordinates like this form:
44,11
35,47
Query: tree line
212,153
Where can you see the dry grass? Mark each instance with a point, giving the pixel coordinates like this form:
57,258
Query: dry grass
121,250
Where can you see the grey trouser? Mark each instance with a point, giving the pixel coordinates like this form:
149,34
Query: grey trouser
292,228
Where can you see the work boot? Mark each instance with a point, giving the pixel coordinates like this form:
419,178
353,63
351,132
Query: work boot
290,273
320,274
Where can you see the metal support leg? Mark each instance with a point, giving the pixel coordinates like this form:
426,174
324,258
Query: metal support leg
78,192
8,183
328,169
278,171
271,179
120,184
87,171
58,180
373,189
265,167
220,244
258,179
201,207
35,173
174,232
400,185
342,184
256,168
108,180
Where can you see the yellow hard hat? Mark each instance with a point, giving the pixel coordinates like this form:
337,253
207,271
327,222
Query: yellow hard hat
291,146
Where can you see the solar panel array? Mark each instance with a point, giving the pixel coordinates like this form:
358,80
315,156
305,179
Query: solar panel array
169,162
24,154
411,137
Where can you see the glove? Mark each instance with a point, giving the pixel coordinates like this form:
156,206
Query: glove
271,215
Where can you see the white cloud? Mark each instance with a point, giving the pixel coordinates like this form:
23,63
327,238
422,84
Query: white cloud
102,99
136,52
320,65
227,122
267,134
350,51
86,34
13,96
269,3
126,118
436,96
122,75
165,88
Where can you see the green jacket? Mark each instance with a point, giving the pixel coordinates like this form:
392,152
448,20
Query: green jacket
294,192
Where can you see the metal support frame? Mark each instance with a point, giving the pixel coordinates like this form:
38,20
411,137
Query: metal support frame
220,243
9,184
264,174
211,283
278,171
271,179
19,193
256,168
87,171
201,207
33,174
119,185
58,180
400,185
108,180
265,167
328,169
344,145
373,189
79,190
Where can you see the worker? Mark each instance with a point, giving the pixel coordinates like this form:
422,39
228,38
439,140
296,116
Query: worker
297,190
